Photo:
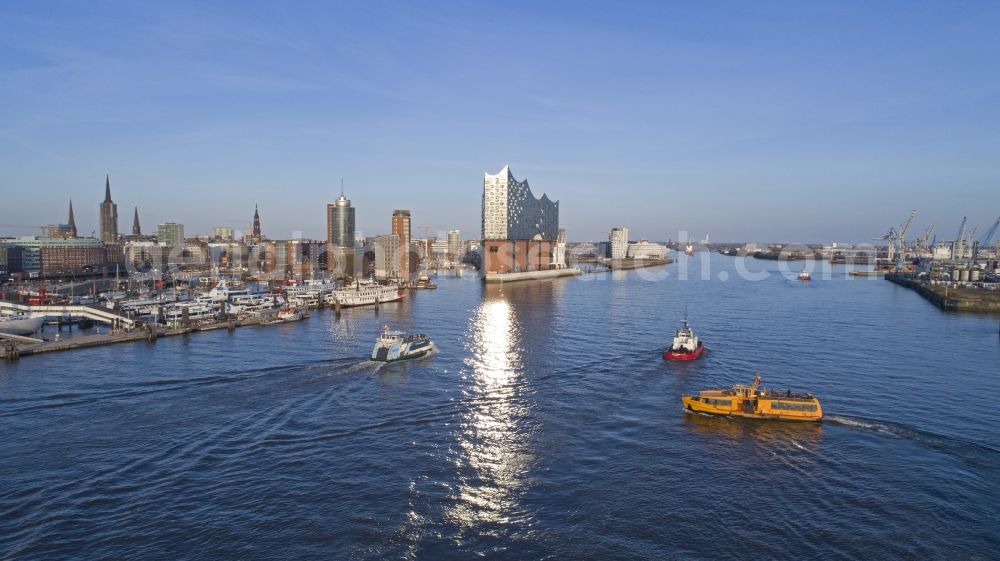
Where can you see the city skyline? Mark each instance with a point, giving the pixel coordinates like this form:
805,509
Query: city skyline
704,118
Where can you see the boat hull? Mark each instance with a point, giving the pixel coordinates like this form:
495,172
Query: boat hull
693,405
671,354
424,352
21,326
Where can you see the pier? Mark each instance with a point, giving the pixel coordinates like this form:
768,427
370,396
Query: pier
950,296
628,264
16,346
96,313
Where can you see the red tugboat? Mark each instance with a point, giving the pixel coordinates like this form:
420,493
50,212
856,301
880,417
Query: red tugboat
686,345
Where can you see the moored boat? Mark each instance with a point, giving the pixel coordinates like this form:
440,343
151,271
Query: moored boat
755,402
364,294
686,345
21,325
689,249
392,346
289,314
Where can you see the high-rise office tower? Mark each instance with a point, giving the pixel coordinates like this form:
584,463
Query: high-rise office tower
340,222
401,228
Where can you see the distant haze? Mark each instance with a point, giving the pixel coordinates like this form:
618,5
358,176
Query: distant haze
769,121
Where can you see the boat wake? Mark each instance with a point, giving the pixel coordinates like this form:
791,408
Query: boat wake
944,443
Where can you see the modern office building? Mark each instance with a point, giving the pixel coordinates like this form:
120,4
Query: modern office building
618,246
401,229
109,215
644,249
440,249
520,231
454,245
387,257
171,235
57,255
340,222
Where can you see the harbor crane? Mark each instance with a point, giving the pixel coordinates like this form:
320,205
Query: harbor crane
902,233
895,238
984,241
956,246
921,244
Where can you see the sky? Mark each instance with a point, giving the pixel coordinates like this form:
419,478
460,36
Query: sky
768,121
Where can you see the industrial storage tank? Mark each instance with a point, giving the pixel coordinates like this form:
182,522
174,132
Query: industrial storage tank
974,275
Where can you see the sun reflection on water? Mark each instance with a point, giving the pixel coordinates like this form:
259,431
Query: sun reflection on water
492,455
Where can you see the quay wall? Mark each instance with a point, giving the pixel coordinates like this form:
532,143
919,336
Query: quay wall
531,275
950,297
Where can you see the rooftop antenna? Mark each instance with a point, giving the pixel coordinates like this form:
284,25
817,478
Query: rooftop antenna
341,186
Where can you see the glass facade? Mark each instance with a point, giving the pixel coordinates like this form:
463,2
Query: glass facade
512,212
340,222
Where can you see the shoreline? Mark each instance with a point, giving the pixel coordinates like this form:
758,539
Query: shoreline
948,297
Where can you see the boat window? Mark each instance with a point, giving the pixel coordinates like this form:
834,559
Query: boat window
718,402
793,406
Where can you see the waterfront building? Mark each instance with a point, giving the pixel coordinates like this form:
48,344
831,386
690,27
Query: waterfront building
645,249
171,234
618,243
340,222
440,249
109,215
519,231
401,229
56,255
454,245
420,248
387,259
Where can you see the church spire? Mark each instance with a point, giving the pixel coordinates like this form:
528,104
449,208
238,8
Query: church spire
256,236
107,188
72,220
136,230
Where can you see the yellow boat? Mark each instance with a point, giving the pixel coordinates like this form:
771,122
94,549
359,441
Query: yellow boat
755,402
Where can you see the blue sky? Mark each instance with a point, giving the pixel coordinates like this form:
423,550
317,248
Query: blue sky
790,121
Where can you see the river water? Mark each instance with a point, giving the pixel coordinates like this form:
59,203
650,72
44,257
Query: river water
547,427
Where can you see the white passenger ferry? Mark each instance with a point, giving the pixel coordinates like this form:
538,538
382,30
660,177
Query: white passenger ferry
364,293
